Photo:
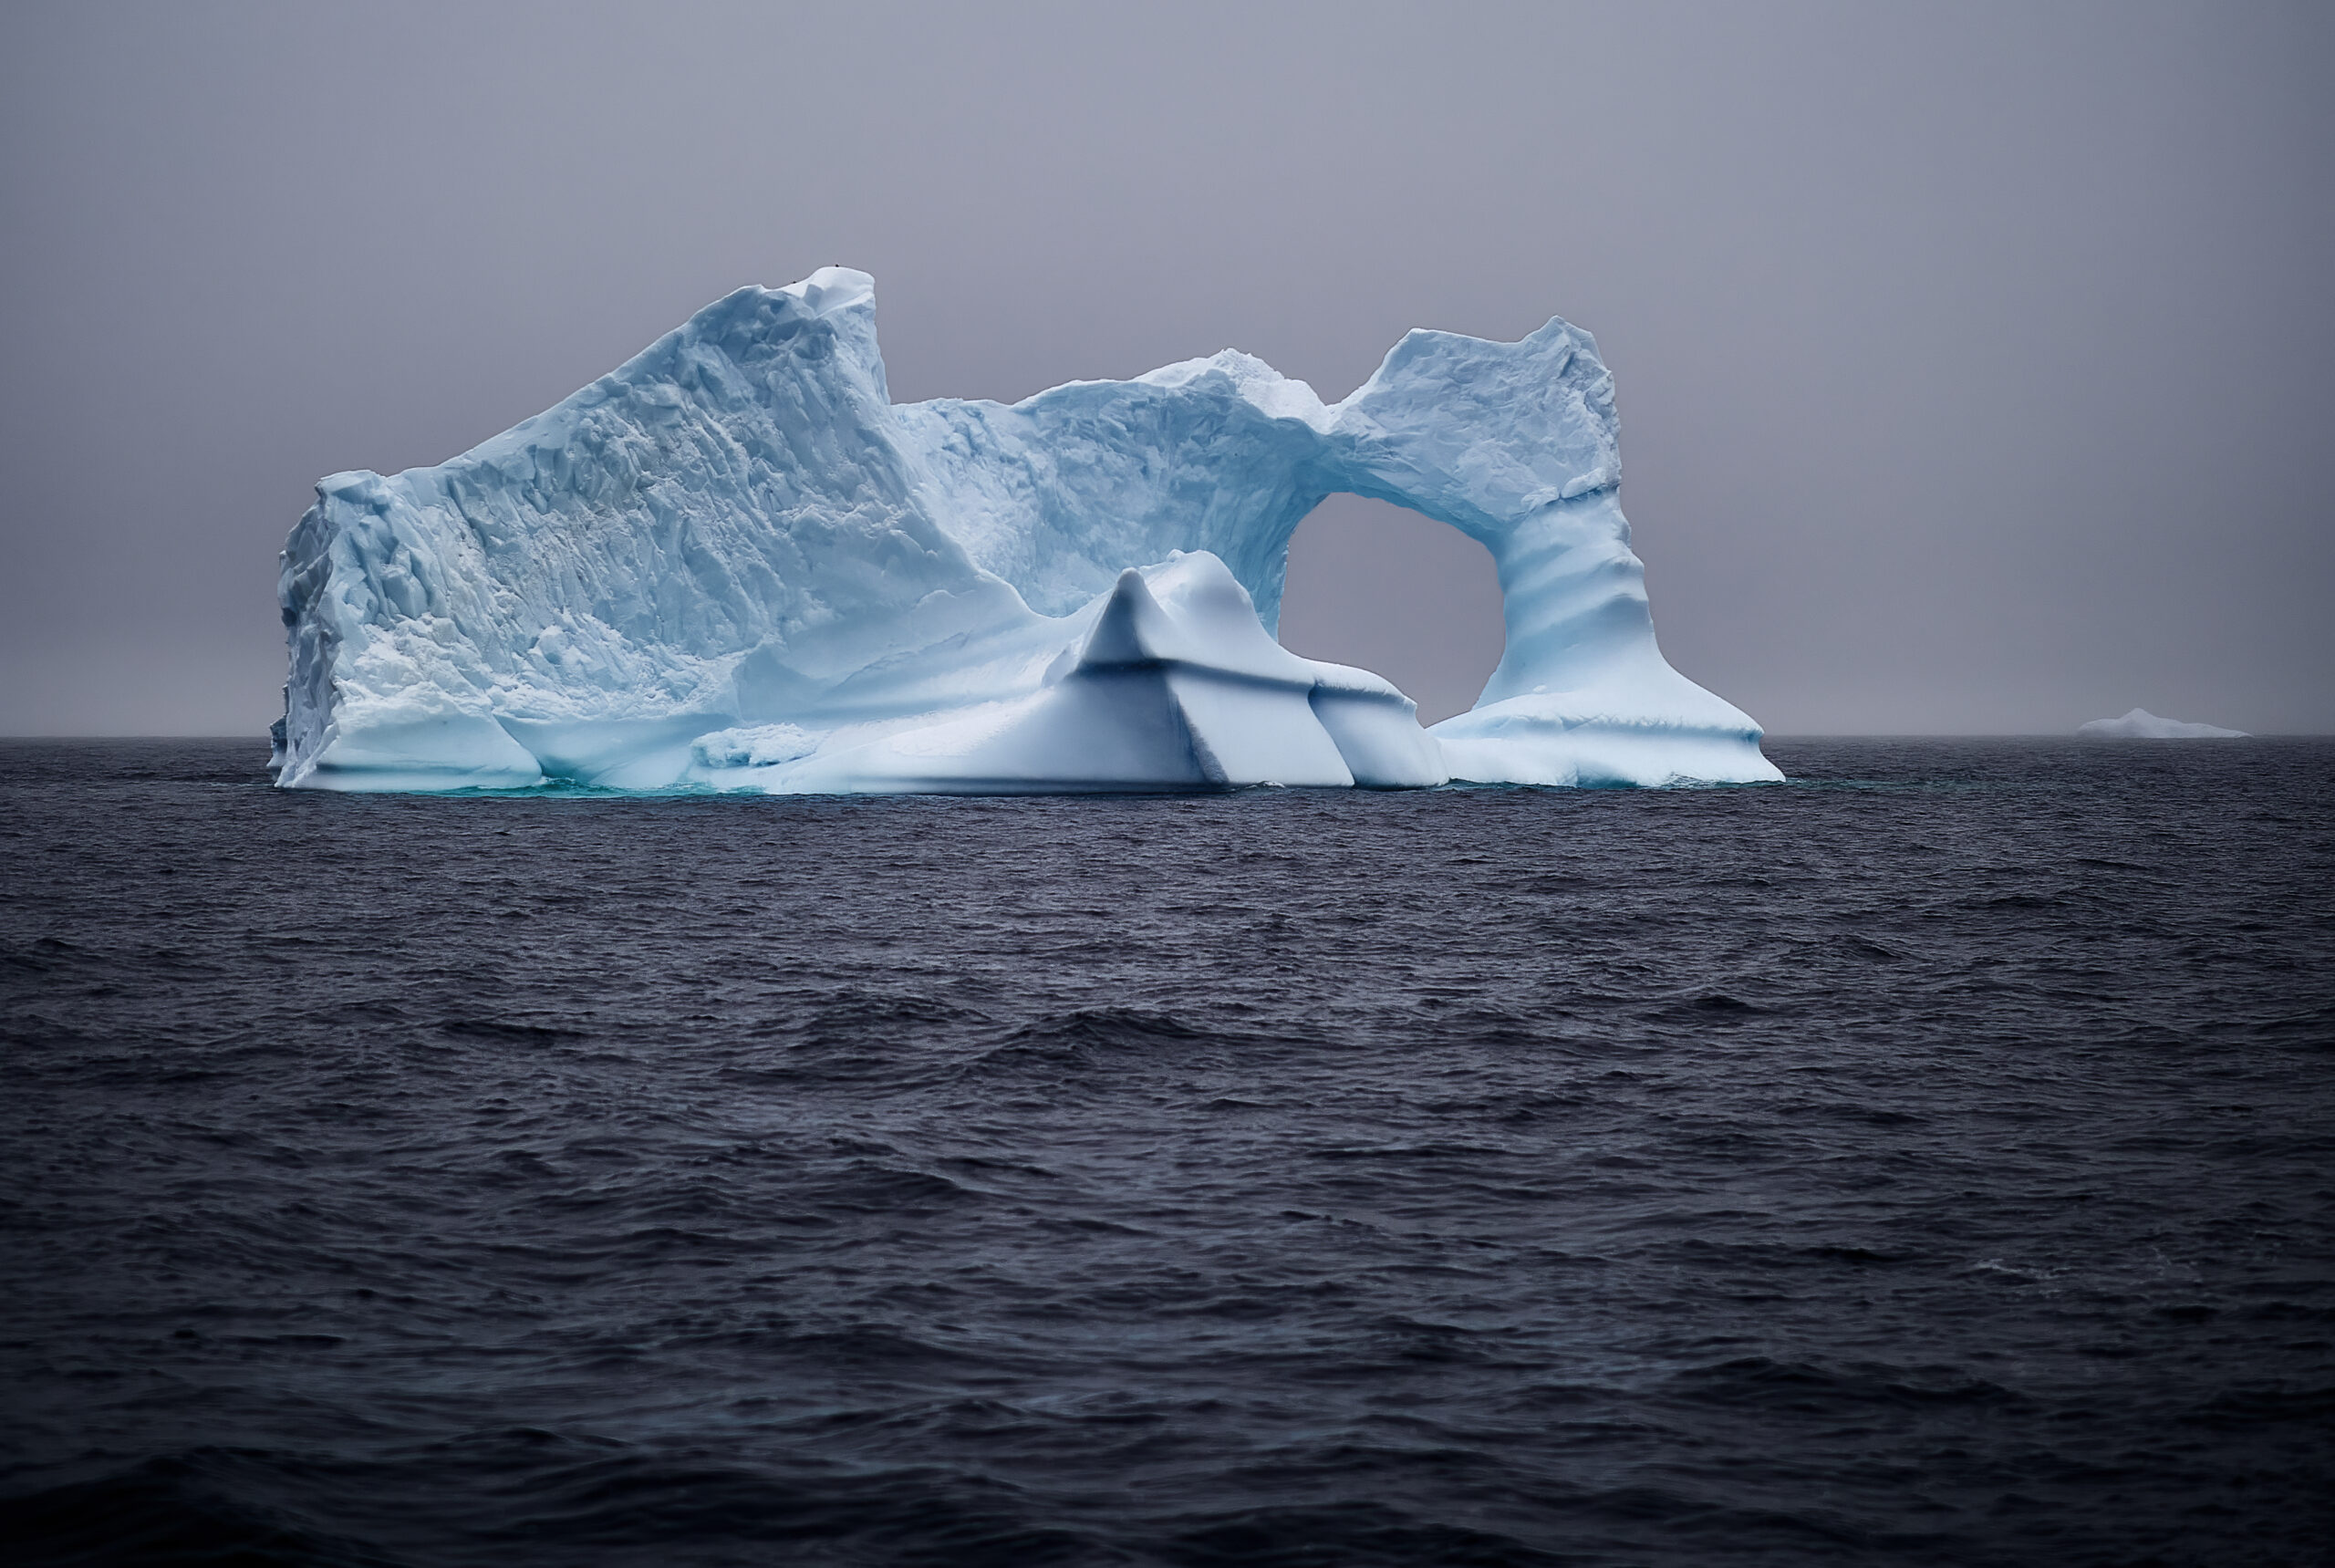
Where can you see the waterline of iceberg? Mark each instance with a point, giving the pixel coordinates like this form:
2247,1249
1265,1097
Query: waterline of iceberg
733,563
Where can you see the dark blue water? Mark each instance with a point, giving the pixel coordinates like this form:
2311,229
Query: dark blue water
1931,1160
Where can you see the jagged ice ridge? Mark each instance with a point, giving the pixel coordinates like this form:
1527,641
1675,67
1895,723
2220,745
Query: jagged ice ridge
735,563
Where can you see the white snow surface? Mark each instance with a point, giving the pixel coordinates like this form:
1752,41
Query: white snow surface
2140,724
734,562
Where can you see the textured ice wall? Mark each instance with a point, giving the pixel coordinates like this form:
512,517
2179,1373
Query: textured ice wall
738,532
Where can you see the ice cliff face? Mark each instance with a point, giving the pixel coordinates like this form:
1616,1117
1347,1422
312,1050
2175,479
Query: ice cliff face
734,561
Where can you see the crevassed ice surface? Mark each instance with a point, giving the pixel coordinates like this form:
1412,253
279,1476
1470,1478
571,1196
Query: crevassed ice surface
735,563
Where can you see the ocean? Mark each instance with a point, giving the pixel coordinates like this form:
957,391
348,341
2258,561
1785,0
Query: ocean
1930,1161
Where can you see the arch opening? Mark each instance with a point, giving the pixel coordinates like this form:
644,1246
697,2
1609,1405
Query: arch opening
1379,586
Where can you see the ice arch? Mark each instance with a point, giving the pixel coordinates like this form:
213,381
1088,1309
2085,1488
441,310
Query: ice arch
1514,444
734,560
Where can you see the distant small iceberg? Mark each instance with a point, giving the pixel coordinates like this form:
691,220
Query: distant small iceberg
2140,724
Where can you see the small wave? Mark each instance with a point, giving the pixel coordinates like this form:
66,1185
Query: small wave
509,1029
196,1509
870,1187
1762,1382
1090,1037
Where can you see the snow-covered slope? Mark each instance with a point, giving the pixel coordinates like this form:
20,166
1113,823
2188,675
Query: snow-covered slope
2140,724
733,562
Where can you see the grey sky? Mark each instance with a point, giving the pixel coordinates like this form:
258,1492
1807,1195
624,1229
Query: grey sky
1972,358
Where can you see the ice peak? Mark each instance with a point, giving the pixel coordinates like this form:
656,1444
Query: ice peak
833,288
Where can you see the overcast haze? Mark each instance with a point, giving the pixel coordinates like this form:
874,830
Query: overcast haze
1972,360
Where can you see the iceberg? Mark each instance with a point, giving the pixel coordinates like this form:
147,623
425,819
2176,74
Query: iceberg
733,563
2140,724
